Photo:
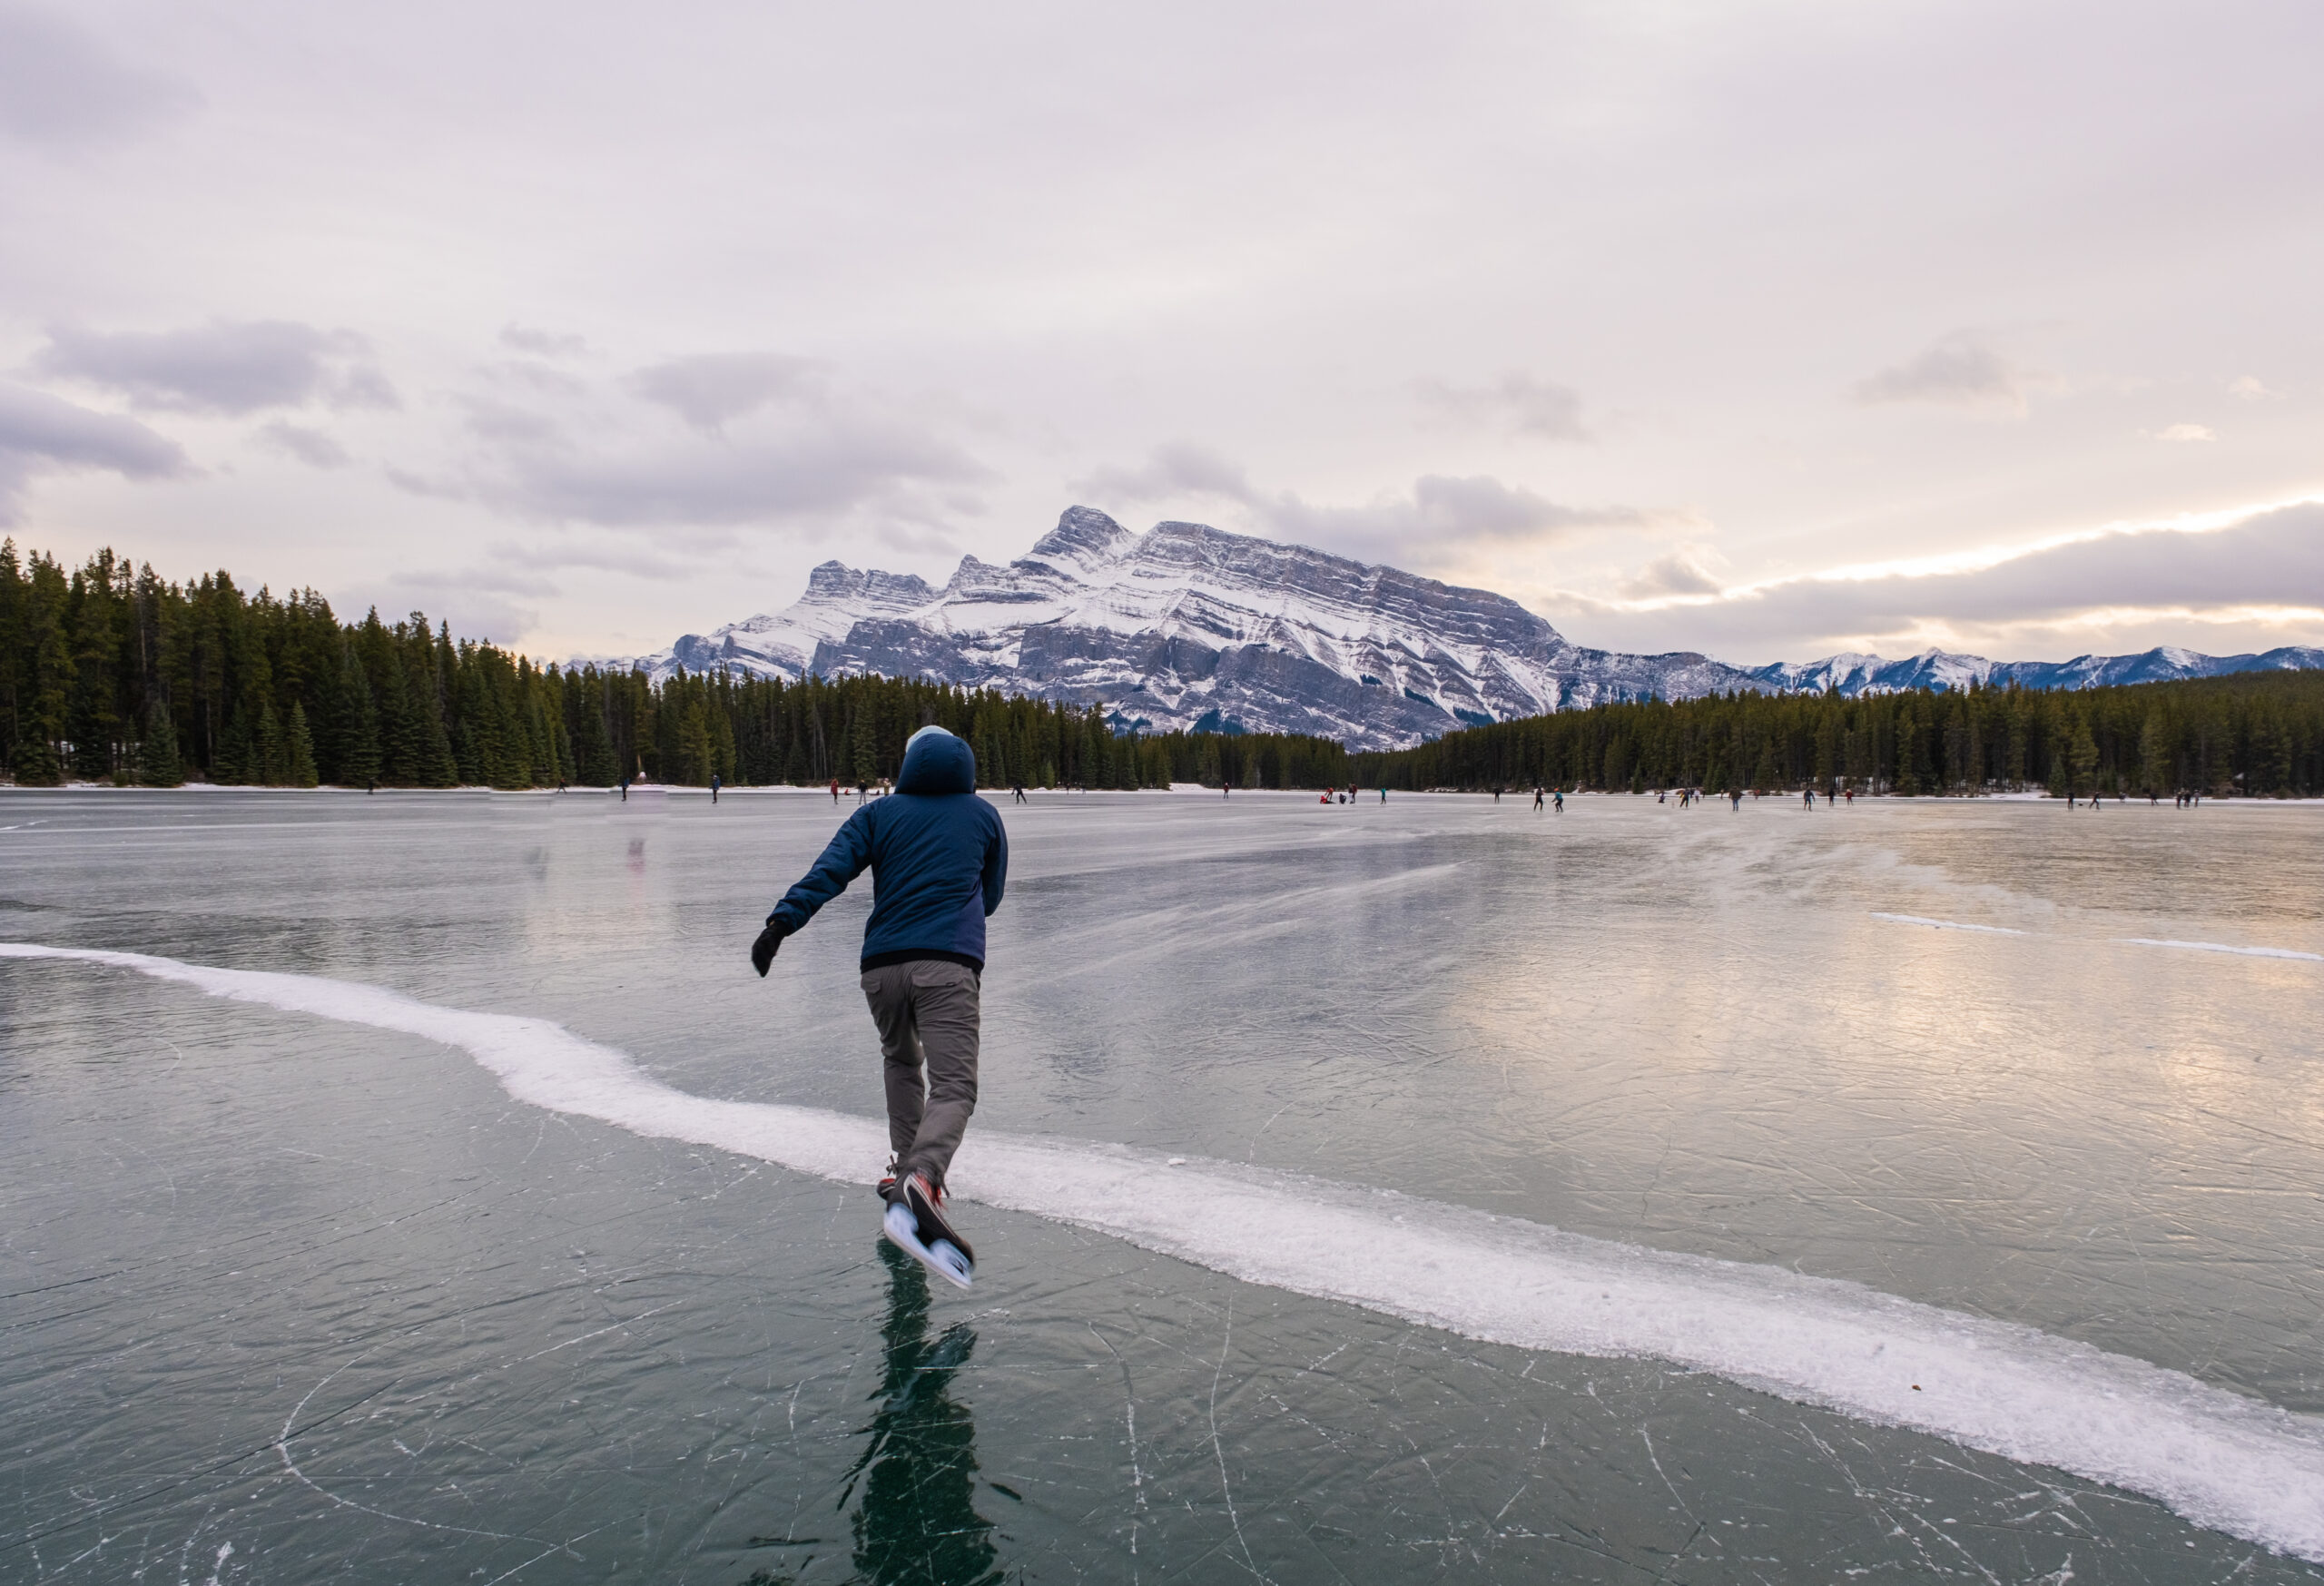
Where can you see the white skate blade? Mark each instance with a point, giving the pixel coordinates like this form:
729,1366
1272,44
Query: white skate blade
943,1258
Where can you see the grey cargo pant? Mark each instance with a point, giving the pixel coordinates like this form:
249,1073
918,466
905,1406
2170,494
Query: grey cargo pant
927,1011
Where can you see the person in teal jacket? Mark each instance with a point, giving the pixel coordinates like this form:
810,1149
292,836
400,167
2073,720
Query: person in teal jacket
939,858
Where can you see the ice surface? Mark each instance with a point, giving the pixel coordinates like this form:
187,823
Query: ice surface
534,1345
2223,1461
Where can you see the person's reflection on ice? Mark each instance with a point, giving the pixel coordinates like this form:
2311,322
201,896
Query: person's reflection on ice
918,1521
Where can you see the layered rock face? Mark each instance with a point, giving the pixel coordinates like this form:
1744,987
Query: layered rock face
1189,627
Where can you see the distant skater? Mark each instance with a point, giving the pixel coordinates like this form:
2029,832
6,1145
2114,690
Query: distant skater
1558,795
1020,792
1537,796
714,787
1809,794
834,790
940,861
1384,792
1737,797
624,790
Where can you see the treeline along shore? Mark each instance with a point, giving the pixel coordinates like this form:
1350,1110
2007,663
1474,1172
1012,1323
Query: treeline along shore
2260,734
111,673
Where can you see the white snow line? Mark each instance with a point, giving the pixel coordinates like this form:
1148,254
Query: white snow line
1946,924
2219,1459
2314,958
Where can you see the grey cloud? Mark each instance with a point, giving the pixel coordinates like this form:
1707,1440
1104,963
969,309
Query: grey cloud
1441,511
1516,402
2273,559
822,459
225,366
542,343
1179,469
61,89
1444,513
1679,573
711,389
40,433
315,448
1963,368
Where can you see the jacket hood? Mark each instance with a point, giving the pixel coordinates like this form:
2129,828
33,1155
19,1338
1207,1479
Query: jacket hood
935,762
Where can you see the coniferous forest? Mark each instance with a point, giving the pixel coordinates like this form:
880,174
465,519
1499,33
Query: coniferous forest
110,673
2256,733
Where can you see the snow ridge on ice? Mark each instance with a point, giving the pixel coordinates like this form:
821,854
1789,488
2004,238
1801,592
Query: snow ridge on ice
2219,1459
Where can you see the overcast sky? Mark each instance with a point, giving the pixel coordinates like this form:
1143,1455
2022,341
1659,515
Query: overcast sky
1764,329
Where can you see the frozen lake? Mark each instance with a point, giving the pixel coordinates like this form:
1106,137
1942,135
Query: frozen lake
2015,1233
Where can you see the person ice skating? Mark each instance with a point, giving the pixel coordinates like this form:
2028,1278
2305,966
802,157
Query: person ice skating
834,790
938,859
714,787
1020,792
1537,796
1559,796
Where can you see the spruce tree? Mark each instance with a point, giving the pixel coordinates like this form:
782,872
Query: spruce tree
299,755
356,724
592,756
157,752
436,766
272,758
231,767
402,736
35,764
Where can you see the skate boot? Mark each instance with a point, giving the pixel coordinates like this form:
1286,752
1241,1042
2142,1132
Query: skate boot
915,1223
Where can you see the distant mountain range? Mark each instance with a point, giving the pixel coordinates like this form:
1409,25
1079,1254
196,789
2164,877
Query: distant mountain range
1189,627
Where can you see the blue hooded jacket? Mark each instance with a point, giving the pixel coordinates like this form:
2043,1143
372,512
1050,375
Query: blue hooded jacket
939,861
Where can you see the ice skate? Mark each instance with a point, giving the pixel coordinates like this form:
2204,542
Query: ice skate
915,1223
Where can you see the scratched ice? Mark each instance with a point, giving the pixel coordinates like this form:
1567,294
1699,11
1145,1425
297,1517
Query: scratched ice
1700,1128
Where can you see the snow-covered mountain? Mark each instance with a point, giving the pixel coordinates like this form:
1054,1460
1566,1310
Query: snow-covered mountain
1189,627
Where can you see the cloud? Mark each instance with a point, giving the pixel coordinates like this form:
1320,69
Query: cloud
1440,514
710,389
2250,388
2272,561
315,448
40,433
1962,369
2186,432
224,367
1179,469
61,89
1516,402
542,343
765,439
1681,572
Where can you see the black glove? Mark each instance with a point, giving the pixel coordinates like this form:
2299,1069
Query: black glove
763,949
